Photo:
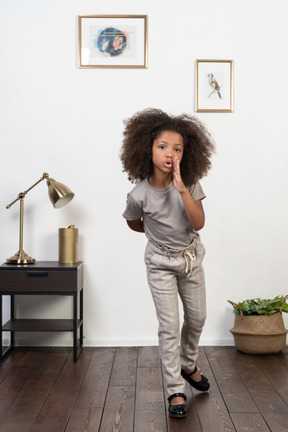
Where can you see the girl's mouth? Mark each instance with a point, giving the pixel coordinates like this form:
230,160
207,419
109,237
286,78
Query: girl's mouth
168,164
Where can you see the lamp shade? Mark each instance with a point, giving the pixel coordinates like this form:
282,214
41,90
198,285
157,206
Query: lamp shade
59,194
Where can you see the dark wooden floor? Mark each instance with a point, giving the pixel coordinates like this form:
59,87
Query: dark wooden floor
120,390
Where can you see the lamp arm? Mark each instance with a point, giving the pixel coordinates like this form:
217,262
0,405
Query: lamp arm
23,194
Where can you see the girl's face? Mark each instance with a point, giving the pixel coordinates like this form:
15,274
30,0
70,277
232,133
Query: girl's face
167,148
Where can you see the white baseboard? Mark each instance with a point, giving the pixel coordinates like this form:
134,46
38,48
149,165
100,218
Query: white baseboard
64,341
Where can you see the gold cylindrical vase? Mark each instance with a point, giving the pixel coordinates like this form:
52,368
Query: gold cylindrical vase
68,245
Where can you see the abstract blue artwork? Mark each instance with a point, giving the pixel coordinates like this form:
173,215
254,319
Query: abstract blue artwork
111,41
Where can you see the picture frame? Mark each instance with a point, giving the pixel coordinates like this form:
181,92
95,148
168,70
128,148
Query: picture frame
214,85
112,41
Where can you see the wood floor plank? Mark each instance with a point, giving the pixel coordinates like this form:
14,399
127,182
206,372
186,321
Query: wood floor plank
148,356
150,407
276,373
19,378
28,405
234,392
84,420
124,366
56,412
270,404
95,384
119,410
283,357
9,361
210,405
249,422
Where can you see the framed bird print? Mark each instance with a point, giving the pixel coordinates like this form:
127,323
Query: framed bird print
214,85
112,41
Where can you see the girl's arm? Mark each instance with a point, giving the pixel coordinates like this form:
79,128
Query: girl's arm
136,225
194,209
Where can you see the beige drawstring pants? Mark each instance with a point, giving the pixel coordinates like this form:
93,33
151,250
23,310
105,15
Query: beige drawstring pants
171,273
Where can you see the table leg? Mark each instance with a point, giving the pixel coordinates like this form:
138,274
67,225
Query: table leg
5,350
1,321
75,313
12,316
81,319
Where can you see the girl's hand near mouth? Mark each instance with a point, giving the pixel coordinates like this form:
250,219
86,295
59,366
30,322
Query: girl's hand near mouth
177,179
194,209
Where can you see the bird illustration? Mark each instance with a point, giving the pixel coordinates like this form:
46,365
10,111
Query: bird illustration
214,84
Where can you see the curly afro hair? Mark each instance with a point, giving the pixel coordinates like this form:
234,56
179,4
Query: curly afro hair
145,126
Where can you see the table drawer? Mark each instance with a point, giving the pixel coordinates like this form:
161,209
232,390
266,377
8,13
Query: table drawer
38,280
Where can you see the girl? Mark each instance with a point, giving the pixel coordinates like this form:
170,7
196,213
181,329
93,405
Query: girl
166,156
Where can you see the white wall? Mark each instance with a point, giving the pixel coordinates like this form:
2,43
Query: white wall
67,121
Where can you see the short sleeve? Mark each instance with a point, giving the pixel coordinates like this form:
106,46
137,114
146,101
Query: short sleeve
197,192
133,209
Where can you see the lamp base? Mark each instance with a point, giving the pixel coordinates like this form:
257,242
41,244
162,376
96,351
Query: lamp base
20,258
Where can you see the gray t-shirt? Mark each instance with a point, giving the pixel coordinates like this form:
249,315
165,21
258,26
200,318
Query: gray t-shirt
164,216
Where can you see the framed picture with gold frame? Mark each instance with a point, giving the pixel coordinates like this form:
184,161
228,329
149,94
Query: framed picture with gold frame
112,41
214,85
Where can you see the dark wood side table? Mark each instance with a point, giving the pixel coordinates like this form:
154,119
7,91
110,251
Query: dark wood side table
43,278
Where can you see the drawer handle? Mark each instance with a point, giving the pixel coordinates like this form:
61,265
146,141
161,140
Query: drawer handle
37,273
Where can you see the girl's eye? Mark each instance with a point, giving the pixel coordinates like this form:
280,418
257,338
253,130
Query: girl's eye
178,150
162,147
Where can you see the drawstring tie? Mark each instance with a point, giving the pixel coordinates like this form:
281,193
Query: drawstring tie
189,259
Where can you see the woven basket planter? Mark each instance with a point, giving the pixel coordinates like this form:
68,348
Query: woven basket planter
259,334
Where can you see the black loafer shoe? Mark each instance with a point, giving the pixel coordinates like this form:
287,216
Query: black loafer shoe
177,411
202,385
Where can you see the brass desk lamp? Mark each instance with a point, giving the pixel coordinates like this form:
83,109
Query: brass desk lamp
59,195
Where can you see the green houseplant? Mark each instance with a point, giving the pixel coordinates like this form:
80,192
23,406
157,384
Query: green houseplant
259,326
